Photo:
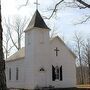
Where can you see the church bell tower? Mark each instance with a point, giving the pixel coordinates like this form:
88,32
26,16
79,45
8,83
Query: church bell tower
36,51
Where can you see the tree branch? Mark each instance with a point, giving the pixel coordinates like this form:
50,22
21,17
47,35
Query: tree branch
83,21
55,9
12,40
24,4
84,3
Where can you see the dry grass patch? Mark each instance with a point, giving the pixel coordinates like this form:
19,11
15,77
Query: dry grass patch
83,86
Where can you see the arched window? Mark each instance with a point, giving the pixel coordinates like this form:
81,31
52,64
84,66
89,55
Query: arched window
57,73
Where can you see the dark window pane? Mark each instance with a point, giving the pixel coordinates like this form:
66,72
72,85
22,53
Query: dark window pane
61,77
53,73
17,73
9,73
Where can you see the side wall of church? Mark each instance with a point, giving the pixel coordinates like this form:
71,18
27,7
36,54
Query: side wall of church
14,81
67,61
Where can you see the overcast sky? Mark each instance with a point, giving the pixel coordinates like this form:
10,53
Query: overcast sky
64,21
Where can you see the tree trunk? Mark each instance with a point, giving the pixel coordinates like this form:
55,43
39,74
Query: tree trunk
2,61
89,72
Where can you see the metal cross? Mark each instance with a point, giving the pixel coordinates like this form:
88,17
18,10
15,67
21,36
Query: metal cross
56,51
36,4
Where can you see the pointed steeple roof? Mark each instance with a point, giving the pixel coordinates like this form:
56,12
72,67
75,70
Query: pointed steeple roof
37,21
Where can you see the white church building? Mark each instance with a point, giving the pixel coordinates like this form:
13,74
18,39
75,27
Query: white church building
43,62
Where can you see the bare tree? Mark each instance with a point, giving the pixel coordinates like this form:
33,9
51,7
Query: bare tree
53,33
17,29
82,49
87,56
78,45
2,61
6,44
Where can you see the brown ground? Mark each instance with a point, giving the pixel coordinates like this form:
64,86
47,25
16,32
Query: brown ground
79,87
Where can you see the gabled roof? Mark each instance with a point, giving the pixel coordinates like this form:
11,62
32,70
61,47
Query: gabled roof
18,55
37,21
64,45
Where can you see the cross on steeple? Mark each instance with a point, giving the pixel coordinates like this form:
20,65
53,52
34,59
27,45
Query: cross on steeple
56,50
36,4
